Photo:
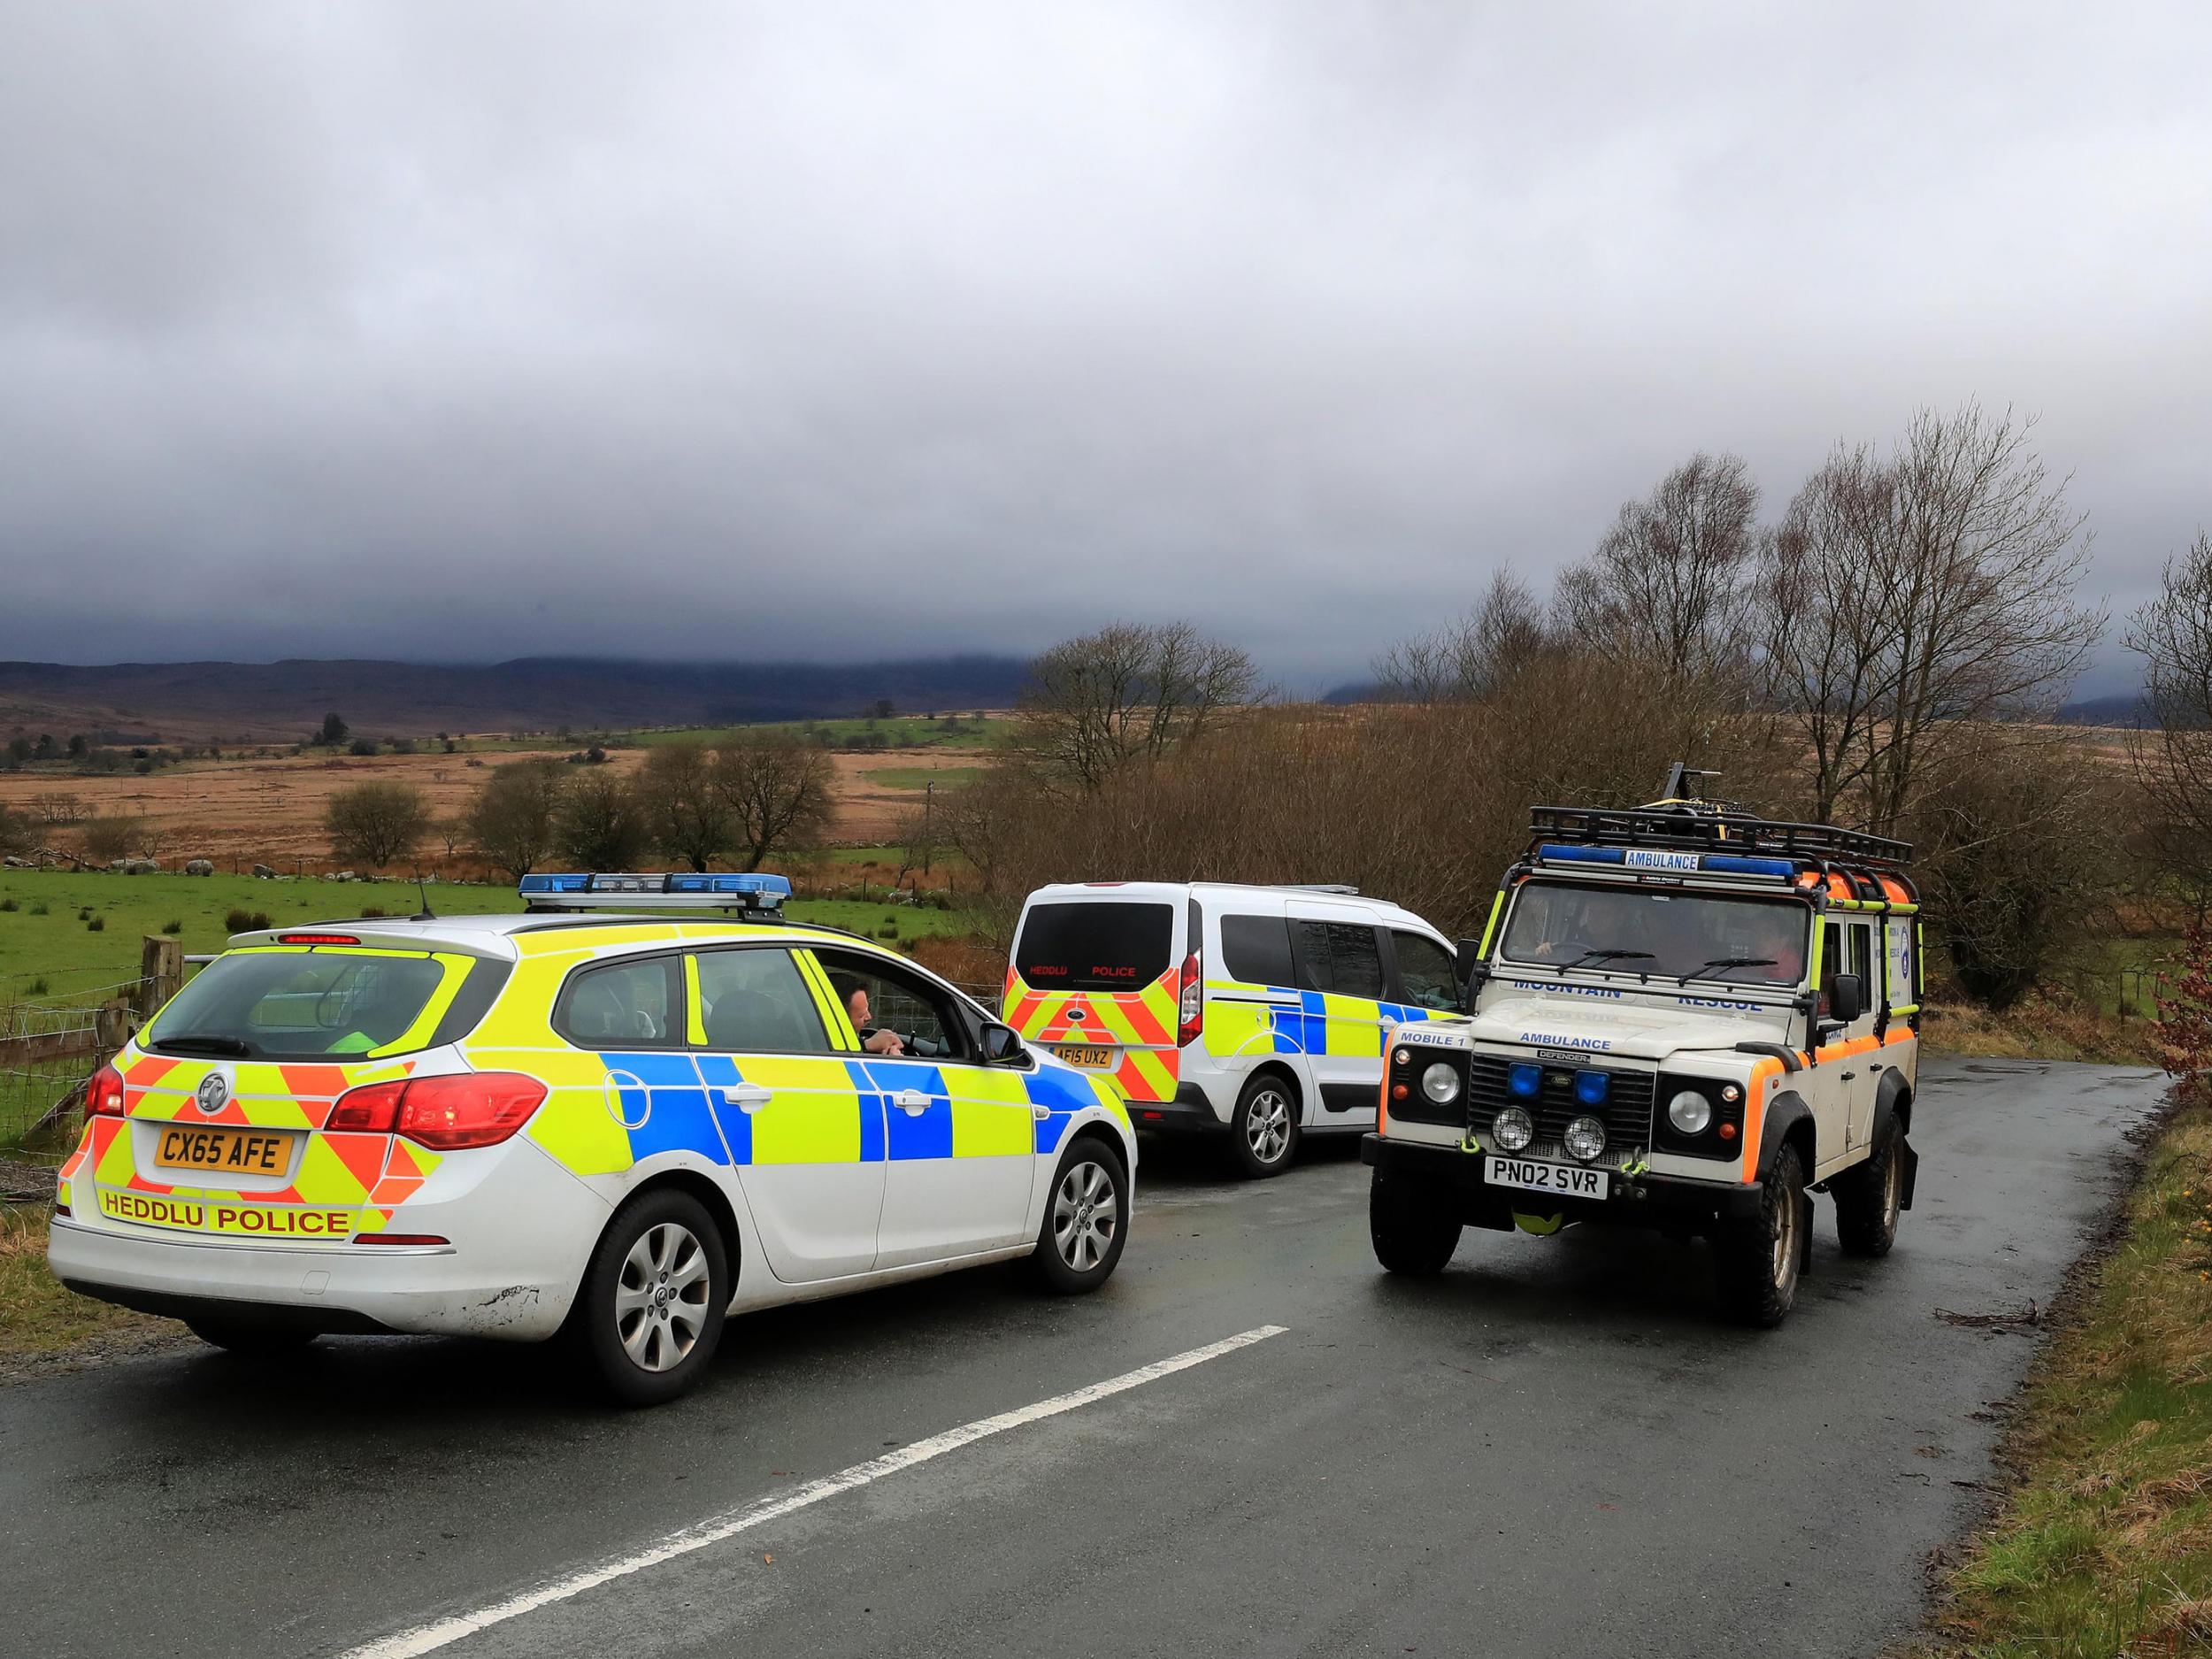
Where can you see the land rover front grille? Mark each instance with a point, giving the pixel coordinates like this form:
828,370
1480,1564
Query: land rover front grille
1626,1113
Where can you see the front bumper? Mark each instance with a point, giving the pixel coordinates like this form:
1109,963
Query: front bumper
1646,1201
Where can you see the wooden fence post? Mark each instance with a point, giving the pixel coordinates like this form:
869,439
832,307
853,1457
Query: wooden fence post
160,973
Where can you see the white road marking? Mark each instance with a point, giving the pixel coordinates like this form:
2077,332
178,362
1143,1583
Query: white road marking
429,1638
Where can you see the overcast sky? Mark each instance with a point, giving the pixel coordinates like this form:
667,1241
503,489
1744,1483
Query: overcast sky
460,332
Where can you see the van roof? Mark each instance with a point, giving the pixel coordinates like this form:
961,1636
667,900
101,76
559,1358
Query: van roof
1168,892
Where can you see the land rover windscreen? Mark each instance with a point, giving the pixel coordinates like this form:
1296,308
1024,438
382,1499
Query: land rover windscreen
1657,937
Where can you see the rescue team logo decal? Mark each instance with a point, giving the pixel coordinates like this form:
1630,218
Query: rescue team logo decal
212,1093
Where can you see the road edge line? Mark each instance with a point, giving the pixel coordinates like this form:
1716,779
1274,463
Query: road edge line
426,1639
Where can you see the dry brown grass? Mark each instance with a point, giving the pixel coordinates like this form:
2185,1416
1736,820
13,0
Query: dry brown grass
2039,1028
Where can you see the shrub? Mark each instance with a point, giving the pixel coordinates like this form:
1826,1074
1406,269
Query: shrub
85,915
375,823
37,988
371,912
41,909
890,930
238,921
9,904
172,927
97,925
259,920
362,746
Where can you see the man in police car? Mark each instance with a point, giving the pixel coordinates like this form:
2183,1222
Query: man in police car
871,1039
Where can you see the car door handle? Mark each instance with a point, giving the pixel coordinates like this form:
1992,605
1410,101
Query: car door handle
748,1097
912,1101
1847,1076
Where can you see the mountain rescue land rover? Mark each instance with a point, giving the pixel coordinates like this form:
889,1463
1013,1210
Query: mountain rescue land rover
1254,1014
615,1120
1680,1016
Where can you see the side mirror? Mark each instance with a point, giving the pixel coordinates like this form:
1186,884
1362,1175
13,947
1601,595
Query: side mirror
1847,998
1472,973
1002,1044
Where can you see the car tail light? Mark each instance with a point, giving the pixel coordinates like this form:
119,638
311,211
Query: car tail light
318,938
468,1109
1190,1008
104,1096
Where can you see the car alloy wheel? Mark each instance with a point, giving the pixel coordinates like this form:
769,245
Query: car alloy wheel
661,1297
1086,1214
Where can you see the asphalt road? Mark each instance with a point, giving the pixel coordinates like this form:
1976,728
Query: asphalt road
1554,1447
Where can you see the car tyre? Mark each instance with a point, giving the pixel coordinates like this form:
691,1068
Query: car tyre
251,1342
1870,1198
648,1313
1414,1233
1756,1261
1086,1221
1264,1129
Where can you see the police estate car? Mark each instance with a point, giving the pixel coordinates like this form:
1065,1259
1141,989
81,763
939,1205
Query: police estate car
615,1119
1680,1016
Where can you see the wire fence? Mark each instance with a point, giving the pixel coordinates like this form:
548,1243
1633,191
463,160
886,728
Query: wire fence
51,1042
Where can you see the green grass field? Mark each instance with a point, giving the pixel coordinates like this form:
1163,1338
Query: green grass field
919,778
43,938
904,731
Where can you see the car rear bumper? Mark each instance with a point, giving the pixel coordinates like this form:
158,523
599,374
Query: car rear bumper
1650,1200
1189,1113
519,1230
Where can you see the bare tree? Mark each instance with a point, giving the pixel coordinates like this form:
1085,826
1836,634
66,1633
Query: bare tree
374,822
598,823
777,792
1129,692
2173,756
686,806
1910,599
1668,588
1474,656
511,820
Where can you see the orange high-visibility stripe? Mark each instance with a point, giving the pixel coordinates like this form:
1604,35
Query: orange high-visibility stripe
1755,1114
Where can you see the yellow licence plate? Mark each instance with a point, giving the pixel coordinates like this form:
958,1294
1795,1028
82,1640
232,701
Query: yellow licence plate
1092,1059
244,1151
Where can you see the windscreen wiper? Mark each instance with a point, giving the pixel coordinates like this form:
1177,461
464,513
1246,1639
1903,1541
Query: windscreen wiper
1725,964
230,1047
1589,956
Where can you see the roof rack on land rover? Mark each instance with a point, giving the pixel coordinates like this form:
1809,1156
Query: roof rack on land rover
1670,825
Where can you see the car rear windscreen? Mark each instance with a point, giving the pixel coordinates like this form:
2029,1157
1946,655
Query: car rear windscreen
305,1004
1100,946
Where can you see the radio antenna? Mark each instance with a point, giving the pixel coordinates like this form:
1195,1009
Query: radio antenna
425,914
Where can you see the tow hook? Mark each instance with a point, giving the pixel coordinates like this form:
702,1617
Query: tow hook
1630,1187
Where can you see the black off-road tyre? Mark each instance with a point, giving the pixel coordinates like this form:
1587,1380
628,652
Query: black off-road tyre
1413,1233
1870,1198
648,1313
1085,1223
252,1341
1264,1129
1756,1261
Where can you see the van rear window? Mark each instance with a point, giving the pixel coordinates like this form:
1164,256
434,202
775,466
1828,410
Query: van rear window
1110,945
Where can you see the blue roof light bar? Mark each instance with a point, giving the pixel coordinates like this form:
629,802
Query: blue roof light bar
1667,859
686,890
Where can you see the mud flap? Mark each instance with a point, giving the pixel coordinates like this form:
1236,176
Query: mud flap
1911,1172
1804,1234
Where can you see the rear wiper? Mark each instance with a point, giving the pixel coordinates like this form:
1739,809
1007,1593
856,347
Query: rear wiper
1723,964
1588,956
230,1048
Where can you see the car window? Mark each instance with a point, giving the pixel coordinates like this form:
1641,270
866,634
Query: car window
757,1001
624,1005
1340,956
1095,945
1426,971
286,1004
879,996
1256,949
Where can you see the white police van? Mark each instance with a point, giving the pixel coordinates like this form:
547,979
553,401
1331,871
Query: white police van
1257,1014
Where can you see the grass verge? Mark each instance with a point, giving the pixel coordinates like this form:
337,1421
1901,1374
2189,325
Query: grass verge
2039,1028
2103,1548
38,1318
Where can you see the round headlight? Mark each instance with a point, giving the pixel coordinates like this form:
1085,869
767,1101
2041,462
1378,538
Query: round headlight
1690,1112
1586,1137
1513,1129
1440,1084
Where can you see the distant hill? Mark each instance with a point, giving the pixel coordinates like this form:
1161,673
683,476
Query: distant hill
180,702
2129,708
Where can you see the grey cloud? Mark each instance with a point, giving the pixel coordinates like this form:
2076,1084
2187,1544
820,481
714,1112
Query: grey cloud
465,332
